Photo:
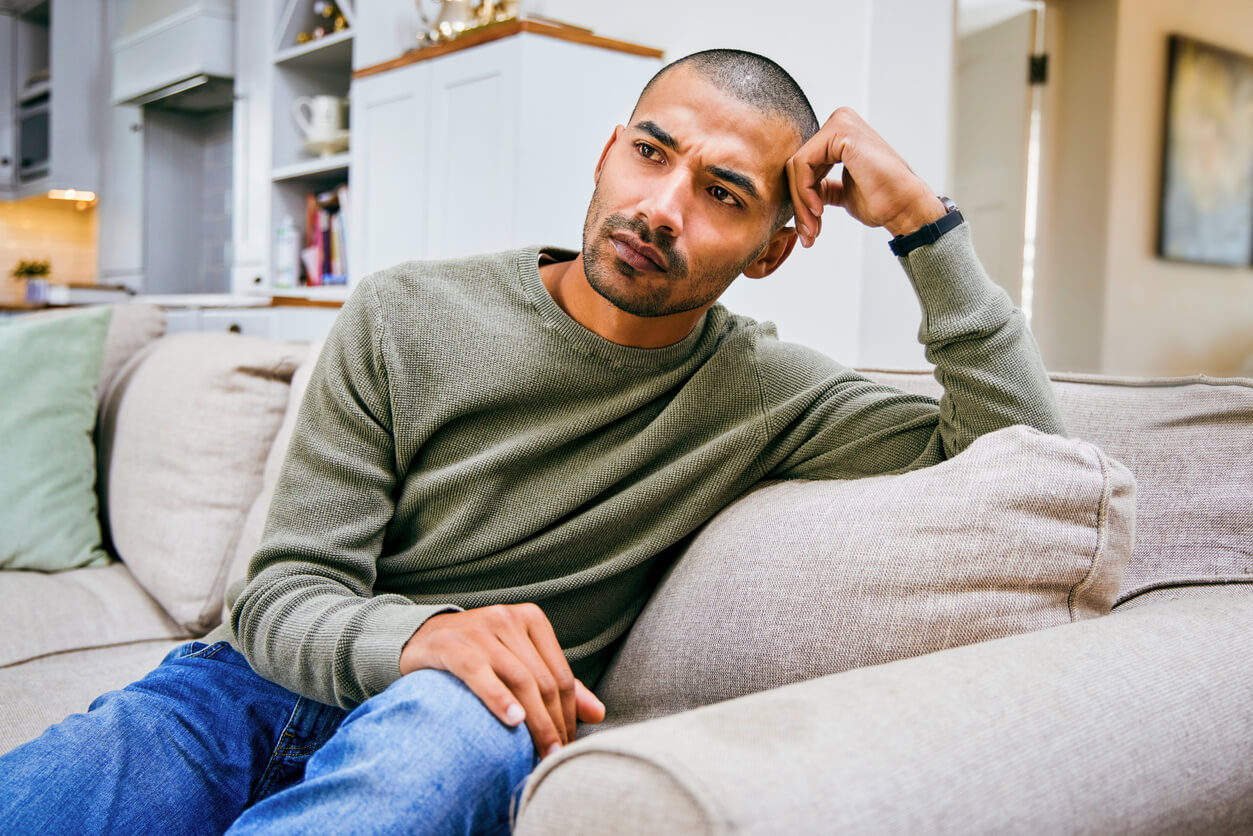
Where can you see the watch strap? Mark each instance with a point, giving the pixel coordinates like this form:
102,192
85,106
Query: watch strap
903,245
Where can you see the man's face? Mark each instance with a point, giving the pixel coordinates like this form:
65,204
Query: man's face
686,197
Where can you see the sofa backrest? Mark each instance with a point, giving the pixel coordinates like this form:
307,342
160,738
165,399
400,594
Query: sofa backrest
1189,442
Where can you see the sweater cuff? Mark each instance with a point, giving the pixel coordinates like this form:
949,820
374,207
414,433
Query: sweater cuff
376,653
949,280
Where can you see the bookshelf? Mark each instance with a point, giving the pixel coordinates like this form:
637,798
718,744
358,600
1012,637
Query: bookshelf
298,70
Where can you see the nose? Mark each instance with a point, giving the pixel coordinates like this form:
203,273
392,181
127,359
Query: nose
662,205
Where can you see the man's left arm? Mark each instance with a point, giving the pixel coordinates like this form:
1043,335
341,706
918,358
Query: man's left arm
984,354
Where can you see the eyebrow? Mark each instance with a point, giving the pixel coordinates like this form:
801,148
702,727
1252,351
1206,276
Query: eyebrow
733,177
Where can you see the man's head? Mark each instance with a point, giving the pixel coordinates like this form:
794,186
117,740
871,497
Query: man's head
692,192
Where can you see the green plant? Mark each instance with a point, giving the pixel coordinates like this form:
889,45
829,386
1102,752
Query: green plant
32,269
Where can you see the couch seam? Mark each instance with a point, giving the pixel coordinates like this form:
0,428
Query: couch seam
51,653
1102,534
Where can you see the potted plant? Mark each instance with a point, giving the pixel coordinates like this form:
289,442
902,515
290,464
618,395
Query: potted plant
35,274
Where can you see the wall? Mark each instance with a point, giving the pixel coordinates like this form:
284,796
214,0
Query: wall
39,228
846,296
1105,301
1165,317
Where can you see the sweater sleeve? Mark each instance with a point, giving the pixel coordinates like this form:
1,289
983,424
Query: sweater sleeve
828,422
308,618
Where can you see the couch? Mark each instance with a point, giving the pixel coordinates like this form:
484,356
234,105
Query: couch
1041,635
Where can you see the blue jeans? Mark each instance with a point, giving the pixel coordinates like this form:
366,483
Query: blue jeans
203,744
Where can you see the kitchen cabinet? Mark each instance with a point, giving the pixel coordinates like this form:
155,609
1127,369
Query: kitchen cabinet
486,147
55,61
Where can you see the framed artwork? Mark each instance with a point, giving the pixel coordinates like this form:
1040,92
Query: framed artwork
1207,166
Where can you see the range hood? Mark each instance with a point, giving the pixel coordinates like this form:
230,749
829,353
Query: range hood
176,55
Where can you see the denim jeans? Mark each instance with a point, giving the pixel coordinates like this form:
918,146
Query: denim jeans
203,744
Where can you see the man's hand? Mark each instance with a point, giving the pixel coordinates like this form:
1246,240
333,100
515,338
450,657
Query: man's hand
877,187
509,657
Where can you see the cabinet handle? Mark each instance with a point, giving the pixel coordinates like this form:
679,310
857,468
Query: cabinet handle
235,329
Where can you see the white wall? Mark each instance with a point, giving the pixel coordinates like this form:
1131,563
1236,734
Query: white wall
891,60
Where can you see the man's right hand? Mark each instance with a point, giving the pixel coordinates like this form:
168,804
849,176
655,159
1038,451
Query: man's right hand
509,657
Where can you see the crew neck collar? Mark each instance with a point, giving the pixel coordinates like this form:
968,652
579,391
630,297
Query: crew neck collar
588,341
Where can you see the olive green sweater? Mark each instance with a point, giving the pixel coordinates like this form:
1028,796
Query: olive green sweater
464,442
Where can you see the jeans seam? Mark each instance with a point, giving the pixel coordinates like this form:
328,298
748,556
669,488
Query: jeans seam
267,775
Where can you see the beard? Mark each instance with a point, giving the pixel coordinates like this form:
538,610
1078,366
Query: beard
640,293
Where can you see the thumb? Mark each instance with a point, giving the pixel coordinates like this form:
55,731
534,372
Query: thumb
588,708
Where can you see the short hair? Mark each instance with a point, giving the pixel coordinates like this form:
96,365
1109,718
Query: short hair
759,83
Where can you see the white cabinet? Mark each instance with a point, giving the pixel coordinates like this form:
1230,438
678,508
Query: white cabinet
485,148
299,324
56,62
8,134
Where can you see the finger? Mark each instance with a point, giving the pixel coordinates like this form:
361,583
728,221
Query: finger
477,673
521,645
541,633
590,708
798,178
520,681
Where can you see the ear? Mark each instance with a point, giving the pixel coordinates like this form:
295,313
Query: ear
604,154
776,252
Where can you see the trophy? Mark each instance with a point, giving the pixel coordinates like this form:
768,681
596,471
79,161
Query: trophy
458,16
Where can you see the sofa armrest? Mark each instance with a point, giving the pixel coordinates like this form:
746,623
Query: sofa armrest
1138,722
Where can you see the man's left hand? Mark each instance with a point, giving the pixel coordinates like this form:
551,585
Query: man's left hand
877,186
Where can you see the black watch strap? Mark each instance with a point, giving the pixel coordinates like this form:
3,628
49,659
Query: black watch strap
903,245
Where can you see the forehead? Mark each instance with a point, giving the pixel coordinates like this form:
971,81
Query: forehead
703,117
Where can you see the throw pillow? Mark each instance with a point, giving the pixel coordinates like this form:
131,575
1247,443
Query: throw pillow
185,436
48,510
796,580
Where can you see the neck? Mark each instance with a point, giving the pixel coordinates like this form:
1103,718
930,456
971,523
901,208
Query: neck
567,283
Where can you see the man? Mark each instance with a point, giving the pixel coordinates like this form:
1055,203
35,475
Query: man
495,461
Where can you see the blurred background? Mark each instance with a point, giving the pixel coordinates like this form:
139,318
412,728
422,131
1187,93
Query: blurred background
1106,169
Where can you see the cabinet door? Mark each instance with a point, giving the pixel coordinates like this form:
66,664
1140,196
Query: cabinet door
8,135
78,103
251,323
121,208
474,143
389,169
250,218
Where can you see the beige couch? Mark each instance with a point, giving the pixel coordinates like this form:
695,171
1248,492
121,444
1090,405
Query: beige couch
928,652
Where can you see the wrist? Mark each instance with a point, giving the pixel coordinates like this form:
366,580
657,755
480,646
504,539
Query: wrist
928,210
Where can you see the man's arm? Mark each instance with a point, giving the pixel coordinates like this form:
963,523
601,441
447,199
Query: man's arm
309,618
985,356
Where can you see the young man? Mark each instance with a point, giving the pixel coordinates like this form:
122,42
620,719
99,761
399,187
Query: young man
496,459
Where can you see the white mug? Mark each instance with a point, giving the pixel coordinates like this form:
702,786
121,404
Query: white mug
324,119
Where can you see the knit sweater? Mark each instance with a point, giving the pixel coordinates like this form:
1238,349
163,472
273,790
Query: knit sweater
464,442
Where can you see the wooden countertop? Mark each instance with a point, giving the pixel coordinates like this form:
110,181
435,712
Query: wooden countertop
496,31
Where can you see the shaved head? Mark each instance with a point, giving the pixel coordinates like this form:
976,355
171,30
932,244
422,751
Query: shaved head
757,82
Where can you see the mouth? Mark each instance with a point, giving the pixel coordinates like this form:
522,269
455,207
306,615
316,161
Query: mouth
636,253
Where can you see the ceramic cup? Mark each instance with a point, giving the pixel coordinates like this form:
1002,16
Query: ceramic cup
320,117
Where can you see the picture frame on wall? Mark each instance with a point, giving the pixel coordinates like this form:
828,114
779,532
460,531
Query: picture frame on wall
1206,209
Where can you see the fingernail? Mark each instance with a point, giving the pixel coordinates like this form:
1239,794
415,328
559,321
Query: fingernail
552,750
515,714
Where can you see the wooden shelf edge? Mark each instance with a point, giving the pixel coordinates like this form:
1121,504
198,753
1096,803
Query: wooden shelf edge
304,302
497,31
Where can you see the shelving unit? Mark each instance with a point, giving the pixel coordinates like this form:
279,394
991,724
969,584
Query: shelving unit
322,66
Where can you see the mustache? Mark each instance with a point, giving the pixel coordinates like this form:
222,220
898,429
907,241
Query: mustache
664,243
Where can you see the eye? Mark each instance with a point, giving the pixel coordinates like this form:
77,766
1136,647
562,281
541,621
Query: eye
647,151
723,196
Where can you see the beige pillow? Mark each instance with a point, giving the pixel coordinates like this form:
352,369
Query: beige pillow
254,523
1020,532
1188,441
186,435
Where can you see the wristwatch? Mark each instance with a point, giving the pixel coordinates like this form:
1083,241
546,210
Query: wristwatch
903,245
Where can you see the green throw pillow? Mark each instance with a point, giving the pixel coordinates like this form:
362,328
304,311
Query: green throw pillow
48,375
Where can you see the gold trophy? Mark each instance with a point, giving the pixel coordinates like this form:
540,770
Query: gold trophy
459,16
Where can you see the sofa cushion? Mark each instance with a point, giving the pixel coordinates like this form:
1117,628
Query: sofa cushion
38,693
1020,532
185,436
1188,442
131,327
43,614
49,373
254,523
